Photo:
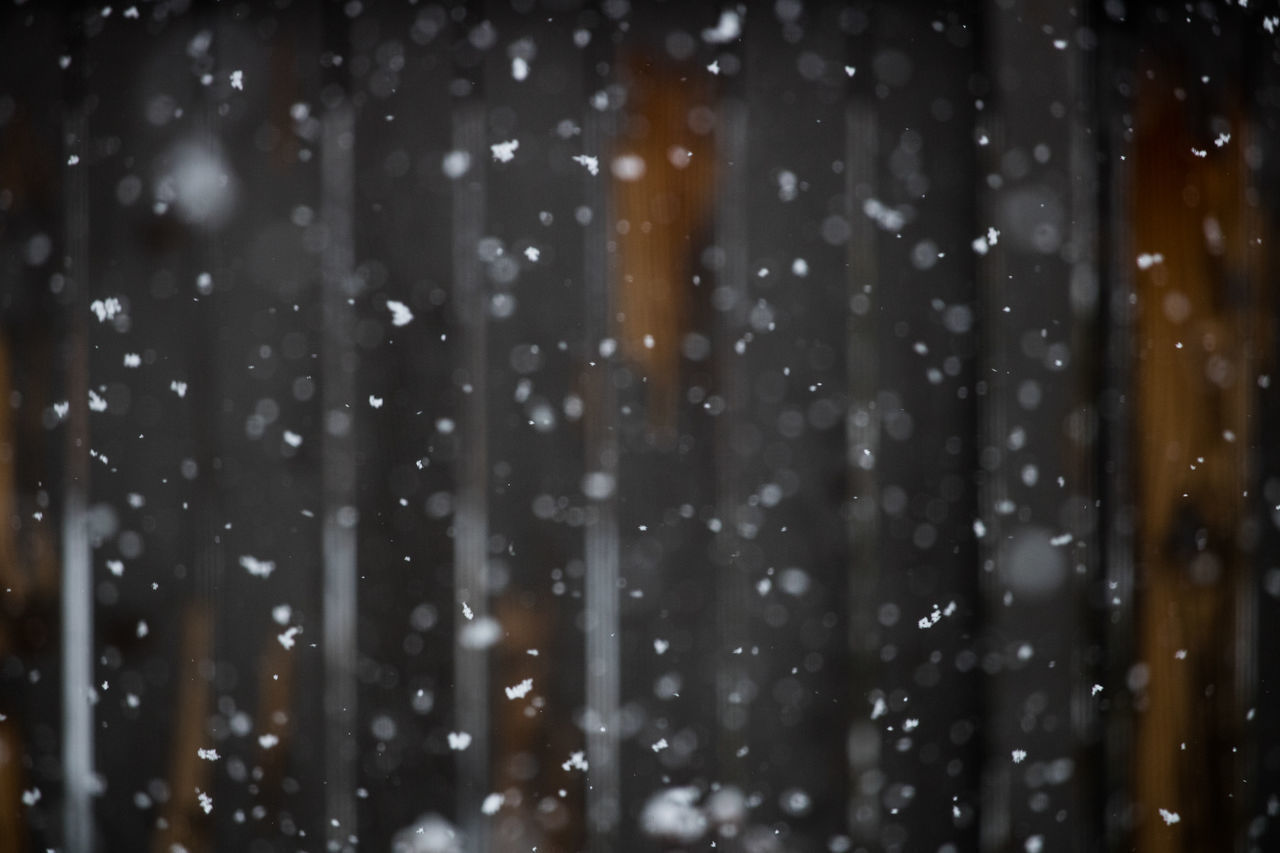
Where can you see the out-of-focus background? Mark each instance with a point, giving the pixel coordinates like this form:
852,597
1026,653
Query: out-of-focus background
639,426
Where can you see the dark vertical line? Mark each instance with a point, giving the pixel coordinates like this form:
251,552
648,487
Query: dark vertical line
1087,568
991,273
77,566
338,450
732,583
471,523
1116,533
862,446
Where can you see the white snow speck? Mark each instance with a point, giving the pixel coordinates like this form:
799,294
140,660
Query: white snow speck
673,814
400,313
598,485
660,745
480,634
179,388
1147,260
1223,139
61,409
132,359
466,611
204,284
660,645
206,801
257,568
505,152
105,309
849,70
1199,152
287,638
728,28
1095,690
96,403
1061,539
532,253
375,401
979,529
73,160
455,164
131,12
520,690
1019,755
1034,844
984,242
910,724
459,740
208,754
237,80
1180,654
628,167
292,439
714,67
935,615
492,803
31,797
142,630
1170,818
576,760
268,740
888,218
115,567
879,709
592,163
281,613
519,68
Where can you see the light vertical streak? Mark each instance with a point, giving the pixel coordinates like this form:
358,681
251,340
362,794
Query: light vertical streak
471,521
862,442
77,565
603,687
338,547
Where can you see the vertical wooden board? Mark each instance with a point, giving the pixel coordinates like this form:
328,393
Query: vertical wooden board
1263,828
406,414
148,136
531,257
789,441
1038,430
264,397
35,304
663,160
190,475
1114,92
145,490
912,309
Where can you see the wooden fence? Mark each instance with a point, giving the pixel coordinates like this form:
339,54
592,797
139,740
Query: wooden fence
552,425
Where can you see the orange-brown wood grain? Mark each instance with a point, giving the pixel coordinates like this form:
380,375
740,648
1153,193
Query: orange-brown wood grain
1198,327
182,821
663,199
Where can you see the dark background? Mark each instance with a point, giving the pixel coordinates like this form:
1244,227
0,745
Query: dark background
851,417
